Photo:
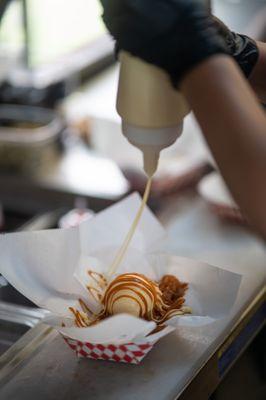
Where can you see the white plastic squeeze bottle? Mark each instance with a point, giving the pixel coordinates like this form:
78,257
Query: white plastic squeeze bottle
152,111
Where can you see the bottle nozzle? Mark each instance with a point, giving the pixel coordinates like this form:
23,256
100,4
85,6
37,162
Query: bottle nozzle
151,141
150,161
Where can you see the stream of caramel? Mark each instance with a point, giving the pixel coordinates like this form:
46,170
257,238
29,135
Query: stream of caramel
121,253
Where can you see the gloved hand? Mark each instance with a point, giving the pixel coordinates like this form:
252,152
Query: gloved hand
175,35
242,48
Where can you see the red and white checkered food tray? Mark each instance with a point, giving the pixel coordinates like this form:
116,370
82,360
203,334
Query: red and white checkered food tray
131,353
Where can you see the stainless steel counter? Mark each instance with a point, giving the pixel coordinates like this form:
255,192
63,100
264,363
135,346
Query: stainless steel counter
56,374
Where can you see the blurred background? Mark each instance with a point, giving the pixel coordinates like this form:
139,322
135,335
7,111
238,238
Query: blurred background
60,135
62,154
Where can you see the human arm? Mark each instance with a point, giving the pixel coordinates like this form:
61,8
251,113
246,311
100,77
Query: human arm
180,36
258,76
234,126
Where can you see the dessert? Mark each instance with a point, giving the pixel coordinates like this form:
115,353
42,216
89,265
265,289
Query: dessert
172,289
137,295
132,294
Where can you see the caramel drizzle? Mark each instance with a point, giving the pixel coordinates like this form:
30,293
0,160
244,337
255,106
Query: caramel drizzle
100,281
174,313
98,278
87,317
131,298
84,307
161,311
80,320
123,249
96,294
133,283
139,286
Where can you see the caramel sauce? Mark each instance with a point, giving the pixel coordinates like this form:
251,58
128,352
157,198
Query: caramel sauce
123,249
137,284
112,292
129,297
98,278
137,288
128,280
101,283
79,320
95,293
174,313
158,328
84,307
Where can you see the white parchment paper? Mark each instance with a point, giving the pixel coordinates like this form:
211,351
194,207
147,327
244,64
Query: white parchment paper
51,269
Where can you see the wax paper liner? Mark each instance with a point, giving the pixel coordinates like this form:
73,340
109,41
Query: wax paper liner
51,269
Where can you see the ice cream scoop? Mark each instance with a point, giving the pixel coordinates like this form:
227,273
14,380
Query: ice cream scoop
132,294
136,295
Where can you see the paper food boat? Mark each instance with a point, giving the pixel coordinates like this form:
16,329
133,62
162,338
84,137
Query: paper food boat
50,268
129,353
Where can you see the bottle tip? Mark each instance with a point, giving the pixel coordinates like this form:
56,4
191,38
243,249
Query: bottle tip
151,160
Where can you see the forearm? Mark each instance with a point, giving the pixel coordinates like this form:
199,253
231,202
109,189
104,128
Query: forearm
258,76
234,126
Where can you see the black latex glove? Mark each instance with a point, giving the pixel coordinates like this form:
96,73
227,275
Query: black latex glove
175,35
242,48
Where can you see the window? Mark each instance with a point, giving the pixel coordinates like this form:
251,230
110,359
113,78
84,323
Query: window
56,37
12,38
59,27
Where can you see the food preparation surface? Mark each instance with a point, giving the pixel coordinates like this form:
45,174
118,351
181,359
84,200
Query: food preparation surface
55,373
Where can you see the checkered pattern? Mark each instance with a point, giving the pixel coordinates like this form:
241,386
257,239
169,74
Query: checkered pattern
130,353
